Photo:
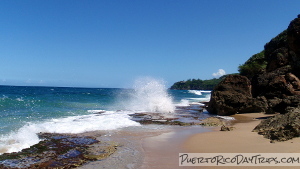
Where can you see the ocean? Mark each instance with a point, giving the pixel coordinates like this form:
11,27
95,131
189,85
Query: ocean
26,111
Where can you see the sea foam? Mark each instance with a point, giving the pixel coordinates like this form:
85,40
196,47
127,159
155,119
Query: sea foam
199,92
27,135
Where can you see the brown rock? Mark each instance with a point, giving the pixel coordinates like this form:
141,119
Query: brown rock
271,84
279,59
293,37
293,83
281,127
226,128
233,95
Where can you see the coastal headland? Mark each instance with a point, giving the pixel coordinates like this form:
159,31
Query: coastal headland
264,100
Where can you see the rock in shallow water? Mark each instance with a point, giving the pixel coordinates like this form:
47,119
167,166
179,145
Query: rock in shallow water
70,154
58,151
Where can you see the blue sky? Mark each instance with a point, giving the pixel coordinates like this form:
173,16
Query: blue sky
110,43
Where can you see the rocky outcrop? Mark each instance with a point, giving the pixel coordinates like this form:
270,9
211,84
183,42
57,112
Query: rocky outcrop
280,127
58,151
280,83
276,89
233,95
293,41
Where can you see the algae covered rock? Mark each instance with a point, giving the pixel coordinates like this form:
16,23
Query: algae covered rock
212,121
281,127
59,151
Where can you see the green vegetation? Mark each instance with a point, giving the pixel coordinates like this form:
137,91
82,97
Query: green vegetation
254,65
257,63
197,84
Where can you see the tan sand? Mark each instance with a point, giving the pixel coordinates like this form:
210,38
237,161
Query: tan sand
129,154
161,150
240,140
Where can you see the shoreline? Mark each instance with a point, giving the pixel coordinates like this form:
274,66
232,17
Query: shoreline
145,147
158,146
162,151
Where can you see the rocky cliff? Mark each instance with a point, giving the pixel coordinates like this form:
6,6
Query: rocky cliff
275,89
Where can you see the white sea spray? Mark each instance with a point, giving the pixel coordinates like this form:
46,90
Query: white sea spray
151,95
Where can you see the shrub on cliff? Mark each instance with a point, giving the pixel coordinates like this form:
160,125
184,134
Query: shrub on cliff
277,42
254,65
275,55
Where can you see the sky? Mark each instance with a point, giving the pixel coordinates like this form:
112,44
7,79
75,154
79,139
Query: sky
110,43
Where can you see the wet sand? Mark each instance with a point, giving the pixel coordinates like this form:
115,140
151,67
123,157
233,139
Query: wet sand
162,151
145,148
129,153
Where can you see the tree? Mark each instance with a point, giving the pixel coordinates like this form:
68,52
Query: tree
197,84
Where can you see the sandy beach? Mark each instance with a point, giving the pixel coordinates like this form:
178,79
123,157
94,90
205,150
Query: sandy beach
240,140
162,151
155,150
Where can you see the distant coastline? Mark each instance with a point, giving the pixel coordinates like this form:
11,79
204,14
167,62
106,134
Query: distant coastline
197,84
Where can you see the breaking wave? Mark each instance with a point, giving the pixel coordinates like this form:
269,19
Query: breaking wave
151,95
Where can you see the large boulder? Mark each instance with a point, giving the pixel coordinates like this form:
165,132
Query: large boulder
233,95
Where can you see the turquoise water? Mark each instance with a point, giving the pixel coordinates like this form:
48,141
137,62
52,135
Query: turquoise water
25,111
19,105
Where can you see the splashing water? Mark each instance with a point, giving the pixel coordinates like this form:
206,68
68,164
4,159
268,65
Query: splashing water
151,95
